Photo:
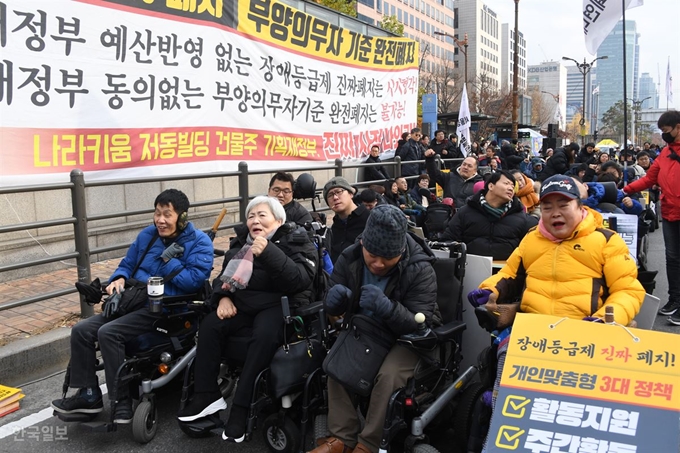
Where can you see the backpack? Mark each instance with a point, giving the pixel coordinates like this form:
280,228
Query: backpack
437,217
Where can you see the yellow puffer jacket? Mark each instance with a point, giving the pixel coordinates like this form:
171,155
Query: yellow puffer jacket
566,278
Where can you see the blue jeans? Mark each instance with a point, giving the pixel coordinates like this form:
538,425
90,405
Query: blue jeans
671,239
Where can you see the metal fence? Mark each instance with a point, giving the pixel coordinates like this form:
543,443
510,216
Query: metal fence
79,218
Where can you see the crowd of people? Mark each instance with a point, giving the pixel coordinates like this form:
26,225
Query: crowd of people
516,211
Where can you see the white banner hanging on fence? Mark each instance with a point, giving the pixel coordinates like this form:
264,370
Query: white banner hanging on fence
123,88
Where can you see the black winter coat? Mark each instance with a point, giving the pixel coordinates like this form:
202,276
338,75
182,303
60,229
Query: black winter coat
374,173
286,267
343,234
485,235
558,164
297,213
409,152
453,184
412,286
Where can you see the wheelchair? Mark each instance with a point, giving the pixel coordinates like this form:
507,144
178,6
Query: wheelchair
152,361
287,412
429,401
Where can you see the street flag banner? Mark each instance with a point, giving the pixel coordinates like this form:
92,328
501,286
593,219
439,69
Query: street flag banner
558,115
127,88
599,19
596,90
669,84
464,122
575,386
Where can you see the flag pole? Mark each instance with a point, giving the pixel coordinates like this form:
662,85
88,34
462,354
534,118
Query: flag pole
625,88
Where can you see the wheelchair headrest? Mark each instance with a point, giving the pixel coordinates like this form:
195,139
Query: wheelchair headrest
305,186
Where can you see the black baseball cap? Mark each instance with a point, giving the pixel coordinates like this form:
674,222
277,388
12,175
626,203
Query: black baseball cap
560,184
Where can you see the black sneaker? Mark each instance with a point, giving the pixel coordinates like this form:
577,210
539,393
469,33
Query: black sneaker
202,405
675,318
123,412
670,308
86,401
235,431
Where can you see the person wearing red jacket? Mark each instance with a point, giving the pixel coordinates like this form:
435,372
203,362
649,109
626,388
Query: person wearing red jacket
665,172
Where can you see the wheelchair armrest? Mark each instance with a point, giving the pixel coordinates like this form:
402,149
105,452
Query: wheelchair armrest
186,298
447,331
308,310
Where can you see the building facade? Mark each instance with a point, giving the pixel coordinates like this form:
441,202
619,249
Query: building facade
574,101
648,90
507,62
550,79
610,71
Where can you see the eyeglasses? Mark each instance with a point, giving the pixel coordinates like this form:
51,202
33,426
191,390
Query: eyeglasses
335,193
278,190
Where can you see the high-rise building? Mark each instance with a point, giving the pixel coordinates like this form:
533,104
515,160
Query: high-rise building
550,78
648,90
610,71
507,55
574,102
421,20
482,26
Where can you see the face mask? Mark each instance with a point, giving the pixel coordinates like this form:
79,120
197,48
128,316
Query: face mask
667,137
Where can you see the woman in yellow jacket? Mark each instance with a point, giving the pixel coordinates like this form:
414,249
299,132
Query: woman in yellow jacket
569,265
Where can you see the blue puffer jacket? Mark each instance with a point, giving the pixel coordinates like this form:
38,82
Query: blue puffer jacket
596,193
195,263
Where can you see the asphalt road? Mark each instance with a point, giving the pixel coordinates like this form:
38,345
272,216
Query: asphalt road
41,432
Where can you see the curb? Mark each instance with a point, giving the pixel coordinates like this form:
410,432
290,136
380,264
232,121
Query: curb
32,358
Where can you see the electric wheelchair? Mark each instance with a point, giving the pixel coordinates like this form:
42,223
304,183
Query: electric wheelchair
430,402
153,360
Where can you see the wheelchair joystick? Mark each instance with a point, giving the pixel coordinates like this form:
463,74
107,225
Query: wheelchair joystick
422,330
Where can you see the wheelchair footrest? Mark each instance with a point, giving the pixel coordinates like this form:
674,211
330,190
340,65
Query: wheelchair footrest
75,417
101,427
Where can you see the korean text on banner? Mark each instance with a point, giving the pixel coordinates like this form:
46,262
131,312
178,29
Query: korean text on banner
464,123
599,18
123,88
571,385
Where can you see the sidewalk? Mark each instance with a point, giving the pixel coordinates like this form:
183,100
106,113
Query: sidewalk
40,317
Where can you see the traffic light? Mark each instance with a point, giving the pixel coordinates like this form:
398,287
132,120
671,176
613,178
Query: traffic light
595,135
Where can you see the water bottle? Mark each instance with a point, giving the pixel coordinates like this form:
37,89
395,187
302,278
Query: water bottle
155,289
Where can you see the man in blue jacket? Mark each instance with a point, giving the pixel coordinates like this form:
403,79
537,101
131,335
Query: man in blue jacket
171,248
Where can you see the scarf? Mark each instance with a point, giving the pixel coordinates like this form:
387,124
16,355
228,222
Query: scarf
496,213
240,267
528,195
546,234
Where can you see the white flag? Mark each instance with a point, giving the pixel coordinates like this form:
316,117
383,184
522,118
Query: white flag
558,116
669,83
464,121
599,19
596,90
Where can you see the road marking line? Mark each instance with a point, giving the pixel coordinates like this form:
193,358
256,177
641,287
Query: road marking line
12,428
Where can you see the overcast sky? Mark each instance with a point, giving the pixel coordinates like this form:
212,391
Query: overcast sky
554,28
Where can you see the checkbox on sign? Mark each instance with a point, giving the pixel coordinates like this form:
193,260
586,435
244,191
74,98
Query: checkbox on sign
514,406
508,437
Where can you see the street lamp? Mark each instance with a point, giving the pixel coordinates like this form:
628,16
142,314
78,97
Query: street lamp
462,46
636,117
515,81
584,68
556,97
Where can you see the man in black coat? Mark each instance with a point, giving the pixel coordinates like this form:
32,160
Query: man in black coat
458,183
387,276
493,221
349,219
374,172
444,148
561,161
281,187
412,150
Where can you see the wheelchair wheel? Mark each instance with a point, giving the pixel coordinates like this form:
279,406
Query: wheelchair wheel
144,424
424,448
471,417
284,439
